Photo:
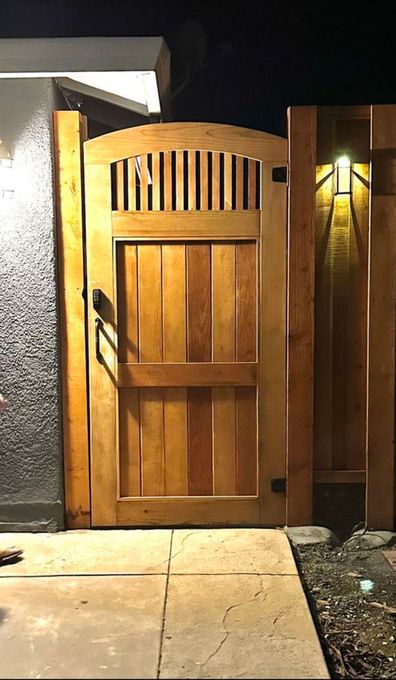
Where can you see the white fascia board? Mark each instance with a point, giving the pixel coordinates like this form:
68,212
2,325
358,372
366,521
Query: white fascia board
56,55
127,86
121,89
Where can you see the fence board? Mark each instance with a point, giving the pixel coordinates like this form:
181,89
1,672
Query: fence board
302,170
381,322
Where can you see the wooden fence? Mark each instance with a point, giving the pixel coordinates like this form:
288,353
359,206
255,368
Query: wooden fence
342,276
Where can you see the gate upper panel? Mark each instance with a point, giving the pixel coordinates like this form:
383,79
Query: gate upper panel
186,180
143,139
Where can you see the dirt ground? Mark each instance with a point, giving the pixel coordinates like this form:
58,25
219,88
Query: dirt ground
357,628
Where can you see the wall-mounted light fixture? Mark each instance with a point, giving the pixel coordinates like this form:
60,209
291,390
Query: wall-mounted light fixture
343,175
6,174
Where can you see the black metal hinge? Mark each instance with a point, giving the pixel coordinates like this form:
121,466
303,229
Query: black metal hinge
279,174
278,485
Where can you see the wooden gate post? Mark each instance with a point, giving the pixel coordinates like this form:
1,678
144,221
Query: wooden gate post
301,277
381,321
70,131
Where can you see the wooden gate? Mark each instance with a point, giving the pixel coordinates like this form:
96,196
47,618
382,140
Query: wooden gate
186,264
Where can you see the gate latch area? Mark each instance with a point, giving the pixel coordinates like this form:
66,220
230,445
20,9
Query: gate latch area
97,299
279,174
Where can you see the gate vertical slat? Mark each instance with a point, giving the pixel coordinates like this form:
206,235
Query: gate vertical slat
179,180
155,178
131,184
168,180
204,180
227,181
239,182
192,180
251,184
215,181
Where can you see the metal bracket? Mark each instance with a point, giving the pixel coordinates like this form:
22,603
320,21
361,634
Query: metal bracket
280,174
278,485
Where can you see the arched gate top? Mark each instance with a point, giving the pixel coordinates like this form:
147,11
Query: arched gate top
143,139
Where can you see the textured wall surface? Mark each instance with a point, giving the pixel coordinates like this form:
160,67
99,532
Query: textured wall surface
31,487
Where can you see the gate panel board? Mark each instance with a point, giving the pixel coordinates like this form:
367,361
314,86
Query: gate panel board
191,440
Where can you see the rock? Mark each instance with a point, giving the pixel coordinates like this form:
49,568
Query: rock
308,535
370,540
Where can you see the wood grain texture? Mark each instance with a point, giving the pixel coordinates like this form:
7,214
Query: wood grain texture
144,182
227,181
251,183
152,442
176,441
381,322
224,341
224,441
128,350
174,302
69,134
199,349
150,349
357,336
129,442
301,224
127,303
324,260
215,181
103,425
199,302
174,349
155,175
201,224
192,177
246,344
203,180
224,301
179,180
239,183
210,510
272,346
150,303
200,475
246,440
341,369
246,301
167,180
184,374
172,136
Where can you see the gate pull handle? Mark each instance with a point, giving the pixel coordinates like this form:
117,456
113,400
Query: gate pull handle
98,327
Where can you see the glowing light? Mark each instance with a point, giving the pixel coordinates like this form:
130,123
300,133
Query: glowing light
343,162
343,170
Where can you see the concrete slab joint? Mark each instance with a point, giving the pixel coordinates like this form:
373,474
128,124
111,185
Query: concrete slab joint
157,604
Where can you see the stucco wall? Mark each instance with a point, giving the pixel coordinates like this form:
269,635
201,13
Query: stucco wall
31,487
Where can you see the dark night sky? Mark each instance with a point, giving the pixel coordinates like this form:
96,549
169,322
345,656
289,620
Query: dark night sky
241,63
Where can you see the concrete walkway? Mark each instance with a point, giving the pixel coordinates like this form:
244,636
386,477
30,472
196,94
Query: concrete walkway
221,603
